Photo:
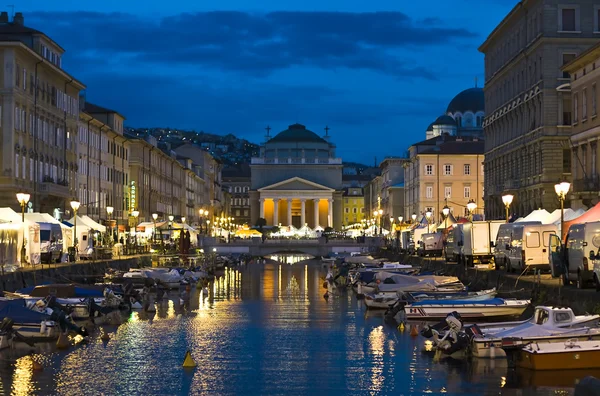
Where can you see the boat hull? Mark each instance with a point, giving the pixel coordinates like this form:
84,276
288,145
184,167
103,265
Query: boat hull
564,360
466,311
379,302
491,348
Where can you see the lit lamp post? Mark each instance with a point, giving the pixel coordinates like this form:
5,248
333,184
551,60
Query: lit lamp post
154,217
135,215
23,199
109,212
428,218
471,206
414,217
208,227
201,211
507,200
75,205
446,213
561,190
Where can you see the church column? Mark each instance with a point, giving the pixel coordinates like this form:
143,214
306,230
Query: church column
330,213
302,215
289,212
275,211
316,201
261,202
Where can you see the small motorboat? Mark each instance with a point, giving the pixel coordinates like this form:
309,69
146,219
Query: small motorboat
380,300
468,309
447,339
473,296
569,355
548,324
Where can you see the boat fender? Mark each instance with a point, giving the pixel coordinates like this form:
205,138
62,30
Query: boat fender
43,327
414,331
401,327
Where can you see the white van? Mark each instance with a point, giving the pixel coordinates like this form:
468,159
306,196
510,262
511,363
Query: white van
529,247
576,258
453,244
477,240
503,242
432,244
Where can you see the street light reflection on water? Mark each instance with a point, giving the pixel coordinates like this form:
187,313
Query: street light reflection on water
249,336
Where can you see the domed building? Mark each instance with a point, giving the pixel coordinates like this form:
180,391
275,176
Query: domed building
297,180
467,110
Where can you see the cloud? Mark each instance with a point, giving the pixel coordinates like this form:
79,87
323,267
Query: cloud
250,43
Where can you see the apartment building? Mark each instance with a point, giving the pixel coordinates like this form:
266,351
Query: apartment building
353,206
527,101
236,181
444,170
584,72
392,189
39,110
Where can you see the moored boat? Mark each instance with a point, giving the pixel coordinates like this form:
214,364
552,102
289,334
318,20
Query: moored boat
468,309
569,355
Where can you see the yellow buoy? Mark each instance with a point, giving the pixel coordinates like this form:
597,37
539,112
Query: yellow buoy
189,360
401,326
413,331
63,341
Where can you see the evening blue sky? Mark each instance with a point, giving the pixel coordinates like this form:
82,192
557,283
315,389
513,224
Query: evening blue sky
377,73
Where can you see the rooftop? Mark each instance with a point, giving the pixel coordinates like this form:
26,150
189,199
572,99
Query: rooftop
296,133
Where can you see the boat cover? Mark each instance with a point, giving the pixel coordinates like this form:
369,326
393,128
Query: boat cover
491,301
19,313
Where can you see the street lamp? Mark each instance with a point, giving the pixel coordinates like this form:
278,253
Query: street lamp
154,217
561,190
109,212
201,211
400,218
208,227
445,212
471,206
507,200
414,217
135,215
428,217
183,220
23,199
380,212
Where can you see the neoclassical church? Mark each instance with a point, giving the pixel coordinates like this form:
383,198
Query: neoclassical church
297,180
463,117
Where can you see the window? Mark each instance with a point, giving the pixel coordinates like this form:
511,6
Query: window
467,169
18,76
566,58
584,105
346,210
467,192
447,170
237,212
354,210
532,239
447,192
568,20
566,160
429,170
429,192
17,166
237,189
362,210
575,110
594,111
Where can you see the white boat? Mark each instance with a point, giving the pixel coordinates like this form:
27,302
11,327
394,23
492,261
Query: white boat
547,325
468,309
379,300
473,296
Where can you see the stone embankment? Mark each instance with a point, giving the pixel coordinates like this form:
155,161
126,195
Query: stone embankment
79,272
541,289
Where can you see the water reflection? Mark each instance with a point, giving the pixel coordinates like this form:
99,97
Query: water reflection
249,335
290,258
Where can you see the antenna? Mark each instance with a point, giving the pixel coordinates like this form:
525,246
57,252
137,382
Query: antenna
268,129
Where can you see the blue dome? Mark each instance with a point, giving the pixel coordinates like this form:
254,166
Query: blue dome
297,133
471,99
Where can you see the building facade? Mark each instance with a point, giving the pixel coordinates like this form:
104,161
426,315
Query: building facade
446,170
585,132
392,189
39,110
297,180
528,110
103,164
353,206
236,181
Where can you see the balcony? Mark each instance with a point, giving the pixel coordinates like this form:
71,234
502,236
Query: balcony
588,184
51,188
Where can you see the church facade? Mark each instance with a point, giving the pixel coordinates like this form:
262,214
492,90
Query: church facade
297,180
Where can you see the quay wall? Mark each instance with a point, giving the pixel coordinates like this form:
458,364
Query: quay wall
79,272
542,289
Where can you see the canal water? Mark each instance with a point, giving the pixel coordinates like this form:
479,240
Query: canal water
263,330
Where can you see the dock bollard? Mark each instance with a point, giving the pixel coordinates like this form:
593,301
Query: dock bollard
189,360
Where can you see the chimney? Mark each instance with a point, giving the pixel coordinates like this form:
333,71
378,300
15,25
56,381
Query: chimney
4,17
18,19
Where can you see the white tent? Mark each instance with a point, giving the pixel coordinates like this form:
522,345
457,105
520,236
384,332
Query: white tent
11,221
307,231
93,224
83,233
67,232
537,215
569,215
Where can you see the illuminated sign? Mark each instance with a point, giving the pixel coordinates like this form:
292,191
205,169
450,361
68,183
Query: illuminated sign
132,196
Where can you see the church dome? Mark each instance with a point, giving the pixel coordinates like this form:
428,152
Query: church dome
471,99
430,127
444,120
297,133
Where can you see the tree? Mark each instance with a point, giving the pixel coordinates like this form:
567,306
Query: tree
260,223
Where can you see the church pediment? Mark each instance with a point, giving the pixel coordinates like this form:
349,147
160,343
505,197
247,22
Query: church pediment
295,183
